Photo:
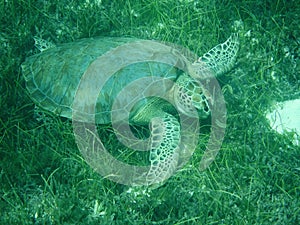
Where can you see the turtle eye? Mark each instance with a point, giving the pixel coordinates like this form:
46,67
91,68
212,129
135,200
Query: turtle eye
200,102
191,86
198,99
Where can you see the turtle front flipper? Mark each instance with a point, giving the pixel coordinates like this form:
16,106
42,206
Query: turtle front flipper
219,59
164,153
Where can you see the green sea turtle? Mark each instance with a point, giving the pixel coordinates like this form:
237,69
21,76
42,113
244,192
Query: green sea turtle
52,78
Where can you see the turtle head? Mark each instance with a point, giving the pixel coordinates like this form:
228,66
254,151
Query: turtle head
189,95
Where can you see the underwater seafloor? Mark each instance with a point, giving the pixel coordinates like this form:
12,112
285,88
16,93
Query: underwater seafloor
255,178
